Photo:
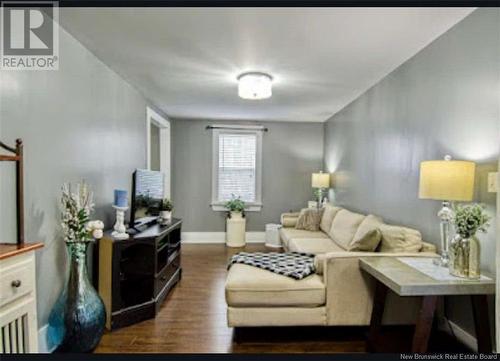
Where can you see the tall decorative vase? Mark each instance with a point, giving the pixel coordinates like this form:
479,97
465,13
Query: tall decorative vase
78,318
465,256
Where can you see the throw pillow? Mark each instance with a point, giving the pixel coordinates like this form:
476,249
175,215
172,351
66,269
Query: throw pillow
344,227
367,237
329,213
400,239
289,219
309,219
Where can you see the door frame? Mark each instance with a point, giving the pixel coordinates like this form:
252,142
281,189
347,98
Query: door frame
497,295
153,117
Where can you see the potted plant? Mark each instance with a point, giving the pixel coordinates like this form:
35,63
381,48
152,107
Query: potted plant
235,223
166,207
236,207
465,250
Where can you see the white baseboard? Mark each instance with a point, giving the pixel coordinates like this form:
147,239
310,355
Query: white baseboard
219,237
463,336
203,237
43,346
256,237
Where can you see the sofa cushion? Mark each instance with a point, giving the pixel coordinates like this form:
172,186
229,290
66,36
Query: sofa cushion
275,316
367,237
309,219
313,245
344,227
289,219
428,247
327,218
400,239
286,234
248,286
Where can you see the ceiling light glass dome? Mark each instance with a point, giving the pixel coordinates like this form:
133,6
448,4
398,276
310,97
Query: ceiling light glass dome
254,85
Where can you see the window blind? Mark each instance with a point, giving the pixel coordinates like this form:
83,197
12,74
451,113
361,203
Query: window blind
237,166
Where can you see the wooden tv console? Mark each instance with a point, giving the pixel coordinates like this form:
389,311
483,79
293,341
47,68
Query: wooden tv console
134,276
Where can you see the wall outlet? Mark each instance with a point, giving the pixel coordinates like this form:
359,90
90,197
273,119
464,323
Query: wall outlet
493,182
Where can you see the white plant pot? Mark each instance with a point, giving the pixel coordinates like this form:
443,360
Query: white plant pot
166,215
236,215
235,230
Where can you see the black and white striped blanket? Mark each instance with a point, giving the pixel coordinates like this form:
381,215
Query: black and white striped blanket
293,264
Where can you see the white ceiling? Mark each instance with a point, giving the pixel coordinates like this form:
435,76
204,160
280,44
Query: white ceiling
185,60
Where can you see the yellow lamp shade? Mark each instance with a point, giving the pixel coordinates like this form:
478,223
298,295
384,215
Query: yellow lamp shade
447,180
320,180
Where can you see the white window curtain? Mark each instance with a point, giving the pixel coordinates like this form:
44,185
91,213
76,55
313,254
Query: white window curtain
237,167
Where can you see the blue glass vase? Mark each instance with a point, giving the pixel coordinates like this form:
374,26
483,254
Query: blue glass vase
77,321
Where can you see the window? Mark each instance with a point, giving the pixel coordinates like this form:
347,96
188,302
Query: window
237,166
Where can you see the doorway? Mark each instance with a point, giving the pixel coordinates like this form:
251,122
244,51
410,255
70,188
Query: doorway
154,146
158,146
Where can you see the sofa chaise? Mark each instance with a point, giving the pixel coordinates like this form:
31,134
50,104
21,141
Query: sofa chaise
339,293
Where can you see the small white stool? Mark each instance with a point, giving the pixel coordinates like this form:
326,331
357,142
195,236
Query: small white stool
273,236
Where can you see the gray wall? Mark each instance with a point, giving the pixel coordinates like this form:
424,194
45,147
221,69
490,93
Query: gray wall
80,122
291,152
442,101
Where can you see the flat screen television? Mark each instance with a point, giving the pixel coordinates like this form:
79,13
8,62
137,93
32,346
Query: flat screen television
147,193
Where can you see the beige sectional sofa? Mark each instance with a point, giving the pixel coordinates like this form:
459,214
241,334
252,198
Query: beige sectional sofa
344,231
339,294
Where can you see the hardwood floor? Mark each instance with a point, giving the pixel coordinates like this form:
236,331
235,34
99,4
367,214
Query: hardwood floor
193,318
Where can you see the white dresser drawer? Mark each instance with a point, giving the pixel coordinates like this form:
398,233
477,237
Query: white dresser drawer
18,320
16,281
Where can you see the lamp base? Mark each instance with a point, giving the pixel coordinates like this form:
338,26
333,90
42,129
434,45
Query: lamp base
445,215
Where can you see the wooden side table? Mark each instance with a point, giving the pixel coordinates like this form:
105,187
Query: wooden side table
405,280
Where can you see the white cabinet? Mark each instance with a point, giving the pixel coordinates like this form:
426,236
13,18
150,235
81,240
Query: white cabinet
18,323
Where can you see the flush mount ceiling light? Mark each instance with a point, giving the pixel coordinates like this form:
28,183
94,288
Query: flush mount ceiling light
255,85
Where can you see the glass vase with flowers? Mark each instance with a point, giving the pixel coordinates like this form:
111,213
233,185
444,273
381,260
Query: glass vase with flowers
465,248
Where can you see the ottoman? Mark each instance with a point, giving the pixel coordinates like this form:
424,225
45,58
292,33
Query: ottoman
257,297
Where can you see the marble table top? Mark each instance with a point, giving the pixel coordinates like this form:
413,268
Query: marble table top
406,280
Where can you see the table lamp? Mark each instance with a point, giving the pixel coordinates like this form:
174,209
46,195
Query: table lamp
320,181
446,180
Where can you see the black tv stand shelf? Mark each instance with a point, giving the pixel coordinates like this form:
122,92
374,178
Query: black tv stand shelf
134,276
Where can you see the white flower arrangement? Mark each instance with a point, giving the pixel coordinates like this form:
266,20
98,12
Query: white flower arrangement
75,213
470,219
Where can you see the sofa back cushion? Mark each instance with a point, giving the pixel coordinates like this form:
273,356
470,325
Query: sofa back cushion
368,235
329,213
309,219
400,239
344,227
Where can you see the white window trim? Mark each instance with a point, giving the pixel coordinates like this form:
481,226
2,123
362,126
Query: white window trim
152,117
233,129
